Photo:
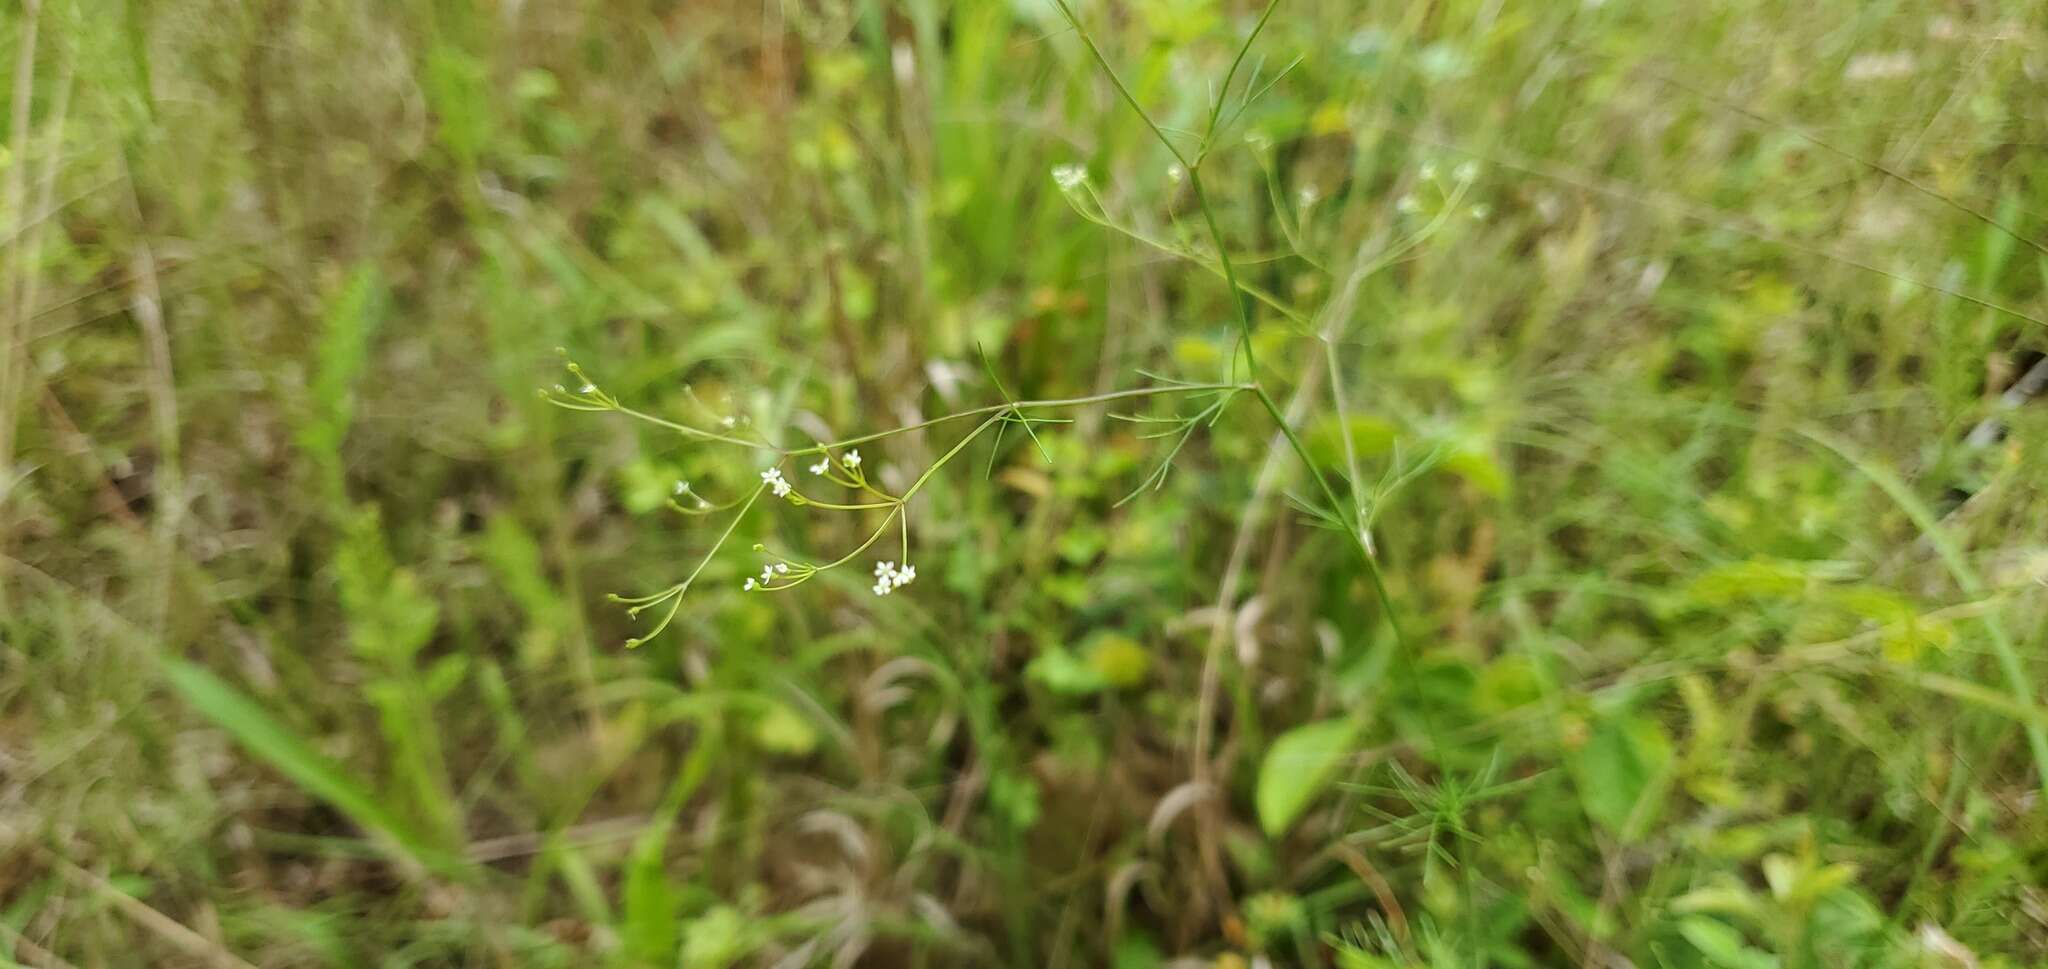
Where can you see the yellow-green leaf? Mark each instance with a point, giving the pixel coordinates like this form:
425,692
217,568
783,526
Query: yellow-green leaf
1298,765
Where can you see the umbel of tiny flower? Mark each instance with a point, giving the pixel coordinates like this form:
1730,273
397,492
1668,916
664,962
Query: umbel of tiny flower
1069,177
851,460
889,578
776,572
821,467
773,478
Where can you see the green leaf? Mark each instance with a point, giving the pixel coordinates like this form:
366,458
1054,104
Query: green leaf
1061,673
1371,437
1014,797
1297,768
1622,773
275,744
1479,469
1759,578
716,939
650,931
783,731
1119,660
1722,945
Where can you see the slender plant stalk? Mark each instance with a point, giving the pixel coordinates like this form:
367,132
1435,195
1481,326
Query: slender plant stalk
1022,405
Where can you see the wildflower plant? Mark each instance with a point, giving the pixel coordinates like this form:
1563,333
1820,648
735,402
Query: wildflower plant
840,465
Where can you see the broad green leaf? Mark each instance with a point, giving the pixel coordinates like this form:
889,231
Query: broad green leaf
782,730
1061,673
1371,437
1622,773
716,939
1722,945
1297,768
275,744
1119,660
1479,469
1752,579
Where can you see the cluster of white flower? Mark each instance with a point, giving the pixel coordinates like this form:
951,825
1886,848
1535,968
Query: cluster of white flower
1069,177
682,487
768,574
889,578
773,478
851,460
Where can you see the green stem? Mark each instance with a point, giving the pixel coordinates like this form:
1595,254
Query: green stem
1229,77
702,434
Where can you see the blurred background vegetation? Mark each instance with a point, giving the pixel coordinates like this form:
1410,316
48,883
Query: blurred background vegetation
1723,598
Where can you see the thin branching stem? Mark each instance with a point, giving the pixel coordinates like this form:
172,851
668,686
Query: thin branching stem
1353,528
581,403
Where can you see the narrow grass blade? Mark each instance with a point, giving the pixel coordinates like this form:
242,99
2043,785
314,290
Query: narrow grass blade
275,744
1966,577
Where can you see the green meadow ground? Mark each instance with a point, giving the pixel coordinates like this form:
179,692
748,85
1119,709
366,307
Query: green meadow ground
1644,338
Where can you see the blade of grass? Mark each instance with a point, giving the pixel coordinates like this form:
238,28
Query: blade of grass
1966,577
271,741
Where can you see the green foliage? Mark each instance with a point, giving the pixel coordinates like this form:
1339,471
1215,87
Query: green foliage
1297,767
1632,587
275,744
1623,773
343,355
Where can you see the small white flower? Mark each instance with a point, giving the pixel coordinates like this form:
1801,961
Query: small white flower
851,460
1467,171
781,568
884,569
904,575
1427,171
773,476
1175,173
1407,205
727,421
750,584
821,466
682,487
882,587
587,388
1480,212
1070,177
